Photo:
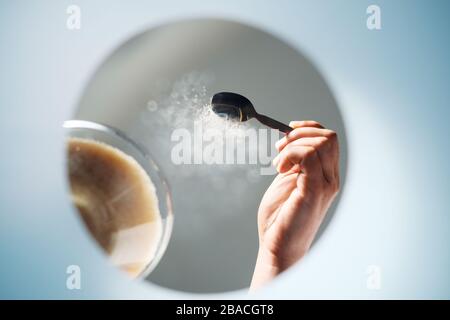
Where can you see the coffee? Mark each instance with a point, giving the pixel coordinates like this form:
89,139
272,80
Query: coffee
117,201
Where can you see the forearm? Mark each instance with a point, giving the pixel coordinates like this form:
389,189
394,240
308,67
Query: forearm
270,263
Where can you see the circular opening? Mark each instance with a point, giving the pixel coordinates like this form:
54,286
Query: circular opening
155,87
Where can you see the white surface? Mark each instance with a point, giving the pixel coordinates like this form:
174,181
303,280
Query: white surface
393,213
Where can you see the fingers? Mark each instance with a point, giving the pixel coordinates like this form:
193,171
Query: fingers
306,123
302,124
302,132
309,143
305,156
325,153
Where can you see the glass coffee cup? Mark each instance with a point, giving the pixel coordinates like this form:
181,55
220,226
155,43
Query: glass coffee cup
120,194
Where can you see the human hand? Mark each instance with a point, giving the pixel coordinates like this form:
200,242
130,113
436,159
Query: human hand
296,202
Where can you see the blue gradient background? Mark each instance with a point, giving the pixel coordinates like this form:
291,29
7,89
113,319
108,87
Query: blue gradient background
392,86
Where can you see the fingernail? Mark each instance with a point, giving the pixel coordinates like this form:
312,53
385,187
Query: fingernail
275,161
278,143
279,168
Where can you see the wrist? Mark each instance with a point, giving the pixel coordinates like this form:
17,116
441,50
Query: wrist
266,269
269,260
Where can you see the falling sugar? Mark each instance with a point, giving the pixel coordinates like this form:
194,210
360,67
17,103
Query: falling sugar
185,105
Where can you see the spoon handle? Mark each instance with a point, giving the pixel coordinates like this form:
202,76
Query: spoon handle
274,124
